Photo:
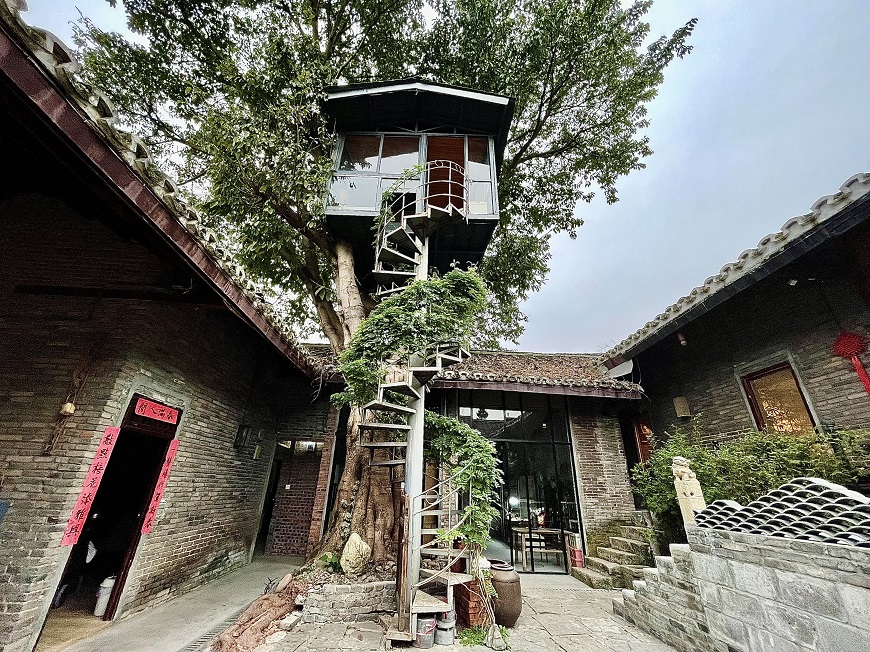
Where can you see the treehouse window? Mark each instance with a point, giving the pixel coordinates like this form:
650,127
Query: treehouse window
777,401
368,165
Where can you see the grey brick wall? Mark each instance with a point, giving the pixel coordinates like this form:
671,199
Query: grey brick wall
203,359
599,458
770,322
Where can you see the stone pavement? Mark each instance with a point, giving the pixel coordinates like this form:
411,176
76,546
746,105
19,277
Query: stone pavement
560,614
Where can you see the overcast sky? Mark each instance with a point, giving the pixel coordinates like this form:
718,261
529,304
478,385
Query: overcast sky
768,113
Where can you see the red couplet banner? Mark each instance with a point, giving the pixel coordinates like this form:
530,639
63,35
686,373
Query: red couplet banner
157,411
160,489
89,489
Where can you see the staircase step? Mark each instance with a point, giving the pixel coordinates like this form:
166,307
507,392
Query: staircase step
384,292
401,427
404,241
390,277
438,512
393,257
401,388
383,406
620,556
592,578
630,545
398,635
384,444
424,374
603,566
444,552
388,463
635,532
428,604
433,530
451,579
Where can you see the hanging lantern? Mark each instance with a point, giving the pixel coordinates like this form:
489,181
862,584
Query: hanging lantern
850,346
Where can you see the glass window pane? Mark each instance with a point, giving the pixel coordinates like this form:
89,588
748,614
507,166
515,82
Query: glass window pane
400,153
558,420
354,191
570,515
465,406
478,159
480,198
780,402
360,153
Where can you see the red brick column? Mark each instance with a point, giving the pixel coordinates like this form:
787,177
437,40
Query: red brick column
322,491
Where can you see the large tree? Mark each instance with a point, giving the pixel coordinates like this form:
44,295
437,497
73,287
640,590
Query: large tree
227,93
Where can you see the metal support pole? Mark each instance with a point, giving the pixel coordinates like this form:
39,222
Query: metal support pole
414,465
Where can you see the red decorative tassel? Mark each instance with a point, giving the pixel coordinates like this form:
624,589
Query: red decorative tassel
850,346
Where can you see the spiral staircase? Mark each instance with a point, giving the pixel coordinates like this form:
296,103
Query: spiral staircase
392,425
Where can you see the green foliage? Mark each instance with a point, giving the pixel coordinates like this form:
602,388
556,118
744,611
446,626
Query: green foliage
473,635
429,312
741,469
331,562
473,462
226,94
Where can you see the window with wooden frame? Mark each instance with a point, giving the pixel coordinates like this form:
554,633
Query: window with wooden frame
776,400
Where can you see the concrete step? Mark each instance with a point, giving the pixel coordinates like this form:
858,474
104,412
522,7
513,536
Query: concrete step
630,573
618,606
630,545
603,566
593,578
635,532
620,556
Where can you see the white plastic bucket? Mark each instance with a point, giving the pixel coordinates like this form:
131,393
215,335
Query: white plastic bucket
103,594
425,633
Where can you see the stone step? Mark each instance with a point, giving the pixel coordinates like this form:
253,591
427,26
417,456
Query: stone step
603,566
631,572
635,532
618,606
630,545
620,556
593,578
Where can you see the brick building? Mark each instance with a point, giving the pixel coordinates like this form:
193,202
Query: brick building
129,342
753,346
554,418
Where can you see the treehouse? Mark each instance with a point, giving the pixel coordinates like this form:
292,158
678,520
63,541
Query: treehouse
415,175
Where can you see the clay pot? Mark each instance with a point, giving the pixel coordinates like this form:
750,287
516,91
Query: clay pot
509,603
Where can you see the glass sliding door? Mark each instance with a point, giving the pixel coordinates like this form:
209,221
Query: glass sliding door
538,502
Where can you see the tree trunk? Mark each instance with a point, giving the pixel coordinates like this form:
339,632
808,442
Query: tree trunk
365,497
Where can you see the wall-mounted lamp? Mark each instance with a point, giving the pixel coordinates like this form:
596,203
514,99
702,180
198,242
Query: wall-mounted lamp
682,339
681,406
792,282
67,409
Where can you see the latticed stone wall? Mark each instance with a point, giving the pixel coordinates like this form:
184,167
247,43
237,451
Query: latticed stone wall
736,591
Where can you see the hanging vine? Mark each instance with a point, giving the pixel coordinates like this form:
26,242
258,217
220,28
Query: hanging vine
428,312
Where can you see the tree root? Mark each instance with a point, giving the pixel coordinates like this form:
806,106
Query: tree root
259,620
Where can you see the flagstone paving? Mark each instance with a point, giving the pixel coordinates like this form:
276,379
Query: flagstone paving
559,615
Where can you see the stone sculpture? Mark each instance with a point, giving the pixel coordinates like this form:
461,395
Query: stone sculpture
689,493
356,555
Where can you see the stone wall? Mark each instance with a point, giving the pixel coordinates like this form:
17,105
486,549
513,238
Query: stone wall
334,603
737,592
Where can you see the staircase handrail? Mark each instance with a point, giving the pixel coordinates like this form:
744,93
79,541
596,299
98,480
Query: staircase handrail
421,172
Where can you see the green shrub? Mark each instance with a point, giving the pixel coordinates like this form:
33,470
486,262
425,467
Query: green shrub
740,469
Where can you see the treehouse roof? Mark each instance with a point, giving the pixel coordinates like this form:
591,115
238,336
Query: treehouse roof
420,105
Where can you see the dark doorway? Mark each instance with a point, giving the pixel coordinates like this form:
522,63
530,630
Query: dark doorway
114,522
268,507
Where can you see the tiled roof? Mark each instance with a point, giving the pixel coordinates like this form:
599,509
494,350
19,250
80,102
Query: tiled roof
568,370
58,61
853,189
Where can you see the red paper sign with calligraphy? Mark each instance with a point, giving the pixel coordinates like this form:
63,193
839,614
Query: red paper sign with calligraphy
160,489
89,489
157,411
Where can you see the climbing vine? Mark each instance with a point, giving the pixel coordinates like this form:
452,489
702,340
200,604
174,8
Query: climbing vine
472,463
428,312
